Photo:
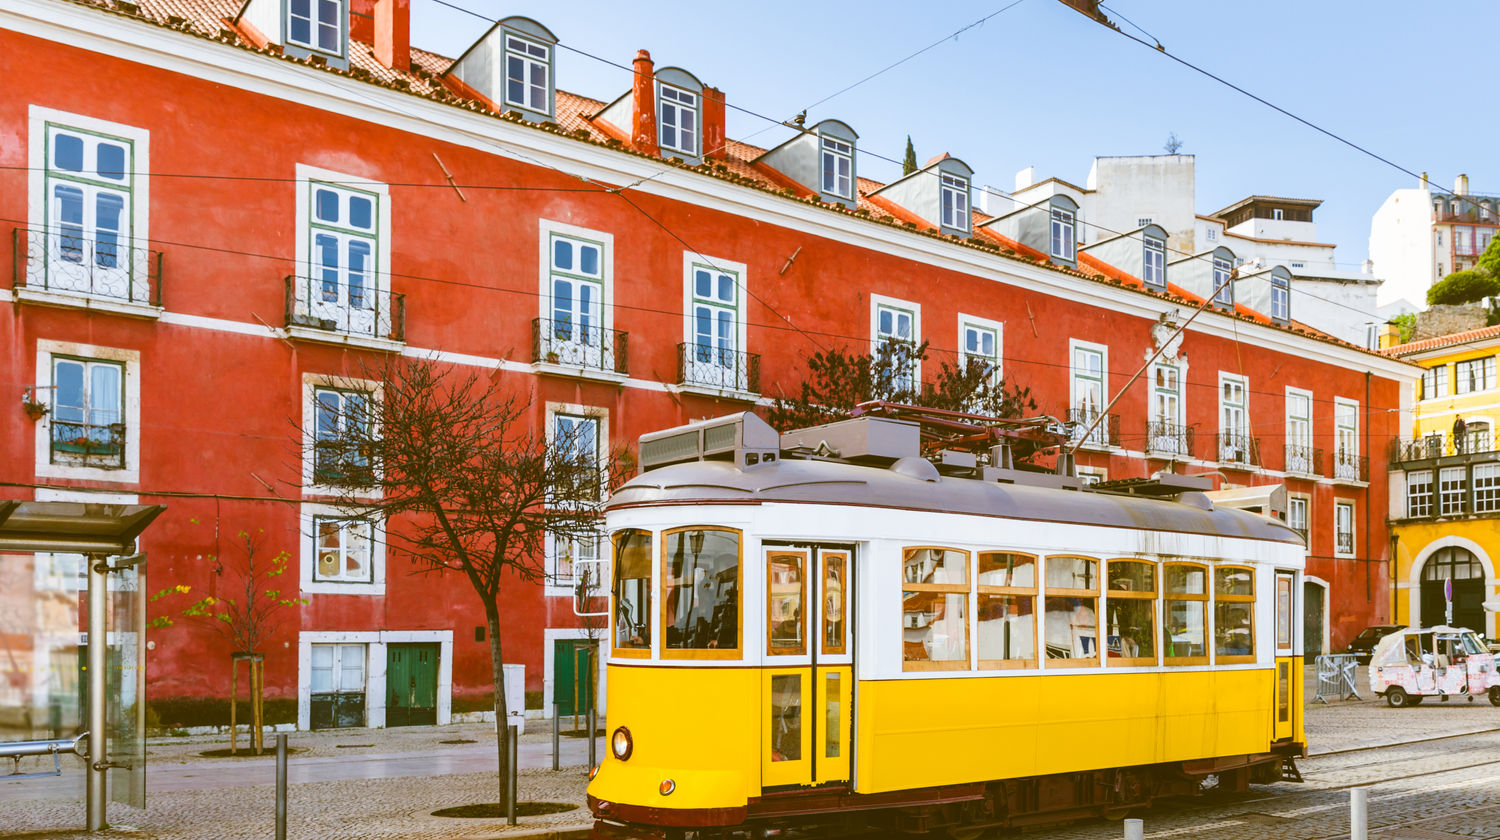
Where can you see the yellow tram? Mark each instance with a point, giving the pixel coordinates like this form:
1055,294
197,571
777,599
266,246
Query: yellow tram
826,626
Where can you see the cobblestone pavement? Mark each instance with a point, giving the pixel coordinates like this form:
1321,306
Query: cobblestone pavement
383,784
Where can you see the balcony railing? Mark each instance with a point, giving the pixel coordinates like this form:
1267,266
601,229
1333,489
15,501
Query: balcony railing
60,259
1302,532
1343,542
1440,446
93,444
1239,450
566,343
713,367
1169,439
1303,460
1105,434
1348,466
345,308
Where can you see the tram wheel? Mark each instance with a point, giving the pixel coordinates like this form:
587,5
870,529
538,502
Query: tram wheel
1397,698
1495,695
1115,814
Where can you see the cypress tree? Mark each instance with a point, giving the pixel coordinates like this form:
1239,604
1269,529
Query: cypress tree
909,163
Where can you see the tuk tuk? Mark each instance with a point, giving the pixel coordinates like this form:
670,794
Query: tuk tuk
1419,662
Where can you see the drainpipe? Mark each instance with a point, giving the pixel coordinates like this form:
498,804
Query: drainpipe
1395,545
1369,415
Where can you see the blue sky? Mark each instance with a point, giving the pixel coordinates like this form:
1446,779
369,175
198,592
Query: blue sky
1041,85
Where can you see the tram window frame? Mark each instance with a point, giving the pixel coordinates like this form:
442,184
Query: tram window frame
1168,596
984,590
825,561
1147,595
735,652
803,562
1049,593
950,588
619,648
1227,599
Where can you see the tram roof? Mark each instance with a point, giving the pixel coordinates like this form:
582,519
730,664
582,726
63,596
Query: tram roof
912,484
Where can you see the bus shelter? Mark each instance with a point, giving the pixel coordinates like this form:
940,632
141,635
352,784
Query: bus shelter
74,678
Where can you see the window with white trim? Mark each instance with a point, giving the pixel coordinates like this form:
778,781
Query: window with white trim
1089,395
342,418
1486,488
1346,440
1474,375
896,339
1281,299
679,119
1435,382
1299,448
979,343
343,236
343,550
1418,493
575,334
1296,514
1223,287
1343,528
88,409
89,185
528,68
838,167
317,25
1064,234
1451,491
954,194
1154,263
714,355
1166,394
1234,422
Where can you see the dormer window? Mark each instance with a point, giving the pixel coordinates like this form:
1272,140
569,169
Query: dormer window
317,25
1154,263
679,120
1223,288
1063,234
955,201
527,68
838,167
1281,299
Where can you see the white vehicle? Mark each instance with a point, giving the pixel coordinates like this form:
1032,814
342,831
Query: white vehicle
1419,662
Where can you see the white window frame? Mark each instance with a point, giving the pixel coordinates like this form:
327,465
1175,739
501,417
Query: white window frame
1064,234
554,584
308,516
138,233
996,328
1154,262
303,242
530,63
1281,299
1305,438
691,260
1222,271
1294,502
130,391
1486,488
1420,494
1465,384
676,108
877,340
1339,506
1226,412
954,214
548,231
376,643
1100,436
836,150
1452,490
1435,382
311,384
1339,436
341,20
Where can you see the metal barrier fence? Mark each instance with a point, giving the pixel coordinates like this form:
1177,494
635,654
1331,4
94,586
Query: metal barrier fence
1337,673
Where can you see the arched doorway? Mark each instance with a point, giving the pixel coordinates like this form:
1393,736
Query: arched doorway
1463,568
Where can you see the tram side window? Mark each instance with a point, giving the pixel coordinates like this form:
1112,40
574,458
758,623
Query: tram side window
701,593
632,591
1234,614
786,582
1071,631
934,609
1007,610
1185,614
1130,613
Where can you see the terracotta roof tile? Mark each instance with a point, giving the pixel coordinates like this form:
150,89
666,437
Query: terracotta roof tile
1441,341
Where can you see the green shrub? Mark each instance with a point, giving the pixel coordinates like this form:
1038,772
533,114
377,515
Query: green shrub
1463,287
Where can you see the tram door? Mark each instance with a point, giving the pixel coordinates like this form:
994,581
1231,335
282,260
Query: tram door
807,684
1287,676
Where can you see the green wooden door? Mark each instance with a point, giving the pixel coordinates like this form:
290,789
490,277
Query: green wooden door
411,685
573,671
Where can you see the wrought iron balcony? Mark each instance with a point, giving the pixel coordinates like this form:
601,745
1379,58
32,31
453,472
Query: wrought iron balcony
1239,450
345,308
1303,460
588,347
1343,542
1479,442
61,259
704,365
1105,434
90,444
1348,466
1170,440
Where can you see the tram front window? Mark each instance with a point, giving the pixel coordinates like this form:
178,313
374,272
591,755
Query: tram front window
632,590
700,590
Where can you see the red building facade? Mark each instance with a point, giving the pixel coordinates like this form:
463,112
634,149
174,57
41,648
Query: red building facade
222,214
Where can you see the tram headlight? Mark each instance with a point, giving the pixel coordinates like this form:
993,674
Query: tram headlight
620,743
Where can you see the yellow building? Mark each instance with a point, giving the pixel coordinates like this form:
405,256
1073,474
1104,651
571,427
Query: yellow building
1445,485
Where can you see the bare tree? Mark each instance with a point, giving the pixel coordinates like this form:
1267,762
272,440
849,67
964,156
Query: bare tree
465,483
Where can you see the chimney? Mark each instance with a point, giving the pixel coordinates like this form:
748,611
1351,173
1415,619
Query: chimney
362,21
713,124
1025,178
643,114
1461,185
393,34
1424,181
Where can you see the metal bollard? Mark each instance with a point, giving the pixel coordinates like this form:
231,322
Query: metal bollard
281,786
1135,830
593,727
510,809
1359,814
555,738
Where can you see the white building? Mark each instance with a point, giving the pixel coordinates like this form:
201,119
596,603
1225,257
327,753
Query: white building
1421,235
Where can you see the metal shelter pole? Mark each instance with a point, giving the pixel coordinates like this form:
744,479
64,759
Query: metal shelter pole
98,739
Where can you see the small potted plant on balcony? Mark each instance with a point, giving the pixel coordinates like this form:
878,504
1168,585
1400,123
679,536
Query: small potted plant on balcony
34,407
